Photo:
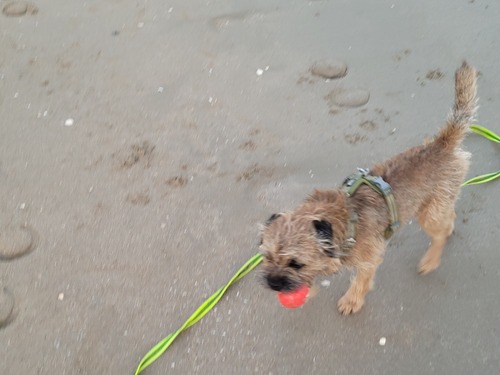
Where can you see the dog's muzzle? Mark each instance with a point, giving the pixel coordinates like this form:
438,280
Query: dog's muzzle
280,283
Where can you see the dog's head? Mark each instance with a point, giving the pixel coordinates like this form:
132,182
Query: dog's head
299,246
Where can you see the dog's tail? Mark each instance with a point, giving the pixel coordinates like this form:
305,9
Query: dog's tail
463,110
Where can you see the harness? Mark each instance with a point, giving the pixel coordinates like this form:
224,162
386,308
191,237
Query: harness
377,183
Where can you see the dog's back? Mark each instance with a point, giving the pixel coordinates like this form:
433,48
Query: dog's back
437,167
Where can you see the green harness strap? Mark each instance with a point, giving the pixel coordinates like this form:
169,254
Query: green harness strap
377,183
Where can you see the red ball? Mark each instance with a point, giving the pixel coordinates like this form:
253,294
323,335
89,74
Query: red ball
294,298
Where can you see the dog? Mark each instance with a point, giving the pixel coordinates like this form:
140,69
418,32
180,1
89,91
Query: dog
349,226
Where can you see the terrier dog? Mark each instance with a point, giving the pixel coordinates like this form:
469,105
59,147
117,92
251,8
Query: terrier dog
350,227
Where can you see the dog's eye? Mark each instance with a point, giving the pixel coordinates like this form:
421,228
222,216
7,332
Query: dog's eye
295,265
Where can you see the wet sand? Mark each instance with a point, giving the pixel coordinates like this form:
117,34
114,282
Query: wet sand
141,144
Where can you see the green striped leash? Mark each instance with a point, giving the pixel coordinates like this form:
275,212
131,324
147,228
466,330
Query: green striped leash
163,345
488,134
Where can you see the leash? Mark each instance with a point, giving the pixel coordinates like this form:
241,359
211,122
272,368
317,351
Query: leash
488,134
205,307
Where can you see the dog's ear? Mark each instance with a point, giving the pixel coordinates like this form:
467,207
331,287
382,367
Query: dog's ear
262,227
272,218
324,234
324,230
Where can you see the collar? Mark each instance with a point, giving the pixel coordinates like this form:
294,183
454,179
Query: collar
377,183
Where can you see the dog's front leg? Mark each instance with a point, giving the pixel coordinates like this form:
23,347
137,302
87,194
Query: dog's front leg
353,300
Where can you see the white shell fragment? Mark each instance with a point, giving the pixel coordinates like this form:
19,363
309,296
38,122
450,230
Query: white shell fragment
69,122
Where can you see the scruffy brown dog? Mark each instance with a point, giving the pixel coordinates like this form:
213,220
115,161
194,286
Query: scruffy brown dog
317,238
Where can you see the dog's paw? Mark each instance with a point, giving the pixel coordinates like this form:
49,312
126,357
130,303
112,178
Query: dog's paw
428,264
349,305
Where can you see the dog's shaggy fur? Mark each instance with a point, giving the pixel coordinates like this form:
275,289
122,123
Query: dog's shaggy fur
300,245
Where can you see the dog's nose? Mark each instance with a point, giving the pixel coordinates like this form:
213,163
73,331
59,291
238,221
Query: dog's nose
278,283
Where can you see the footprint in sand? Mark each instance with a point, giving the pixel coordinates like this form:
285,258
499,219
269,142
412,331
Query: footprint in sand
351,98
135,154
6,307
329,70
19,9
16,241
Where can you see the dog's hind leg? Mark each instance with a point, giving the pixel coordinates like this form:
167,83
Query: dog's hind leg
437,219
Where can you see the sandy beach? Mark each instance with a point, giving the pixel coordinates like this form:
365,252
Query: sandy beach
142,143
